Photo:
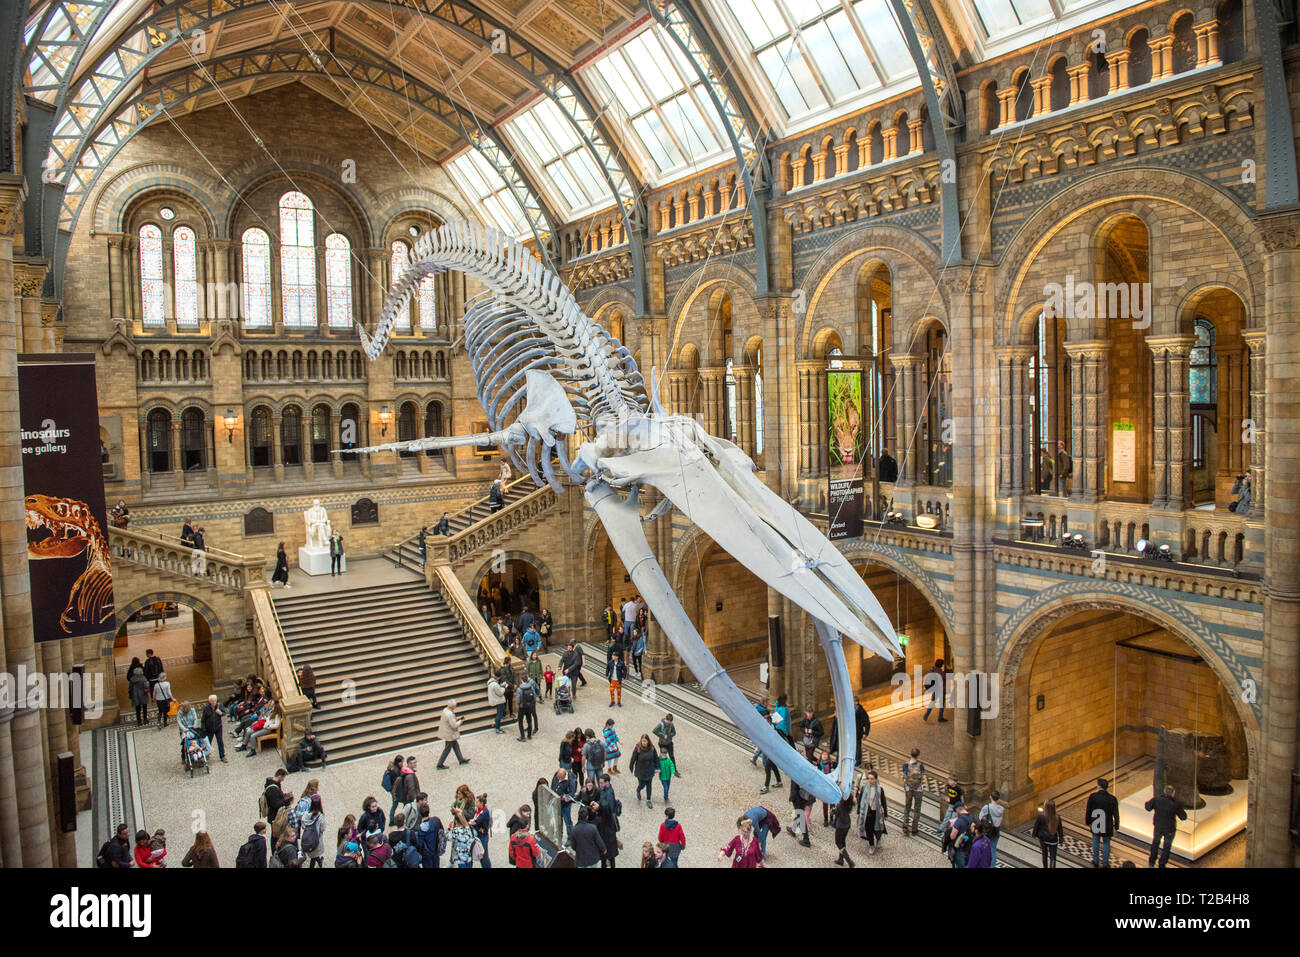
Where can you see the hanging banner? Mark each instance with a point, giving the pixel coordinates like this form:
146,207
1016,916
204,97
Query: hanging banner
63,484
846,414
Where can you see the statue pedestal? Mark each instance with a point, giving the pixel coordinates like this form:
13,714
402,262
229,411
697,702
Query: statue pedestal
316,561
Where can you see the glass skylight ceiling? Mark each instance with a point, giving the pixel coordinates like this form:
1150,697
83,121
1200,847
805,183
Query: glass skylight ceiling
653,91
551,147
484,187
816,54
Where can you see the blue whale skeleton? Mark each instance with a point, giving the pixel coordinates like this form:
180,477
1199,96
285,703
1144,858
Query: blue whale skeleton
545,371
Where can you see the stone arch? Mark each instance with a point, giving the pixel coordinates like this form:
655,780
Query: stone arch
416,199
1024,628
125,611
898,560
709,274
115,197
301,163
1190,294
901,251
608,296
545,580
1219,210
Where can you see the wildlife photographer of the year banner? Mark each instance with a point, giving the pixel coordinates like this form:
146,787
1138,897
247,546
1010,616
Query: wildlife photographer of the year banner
63,485
845,476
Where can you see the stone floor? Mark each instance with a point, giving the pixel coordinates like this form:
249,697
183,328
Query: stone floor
717,785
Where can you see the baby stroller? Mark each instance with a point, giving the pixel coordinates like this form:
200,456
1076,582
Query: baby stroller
194,753
564,695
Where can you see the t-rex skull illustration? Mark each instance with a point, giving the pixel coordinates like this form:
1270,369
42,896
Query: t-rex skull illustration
545,373
70,530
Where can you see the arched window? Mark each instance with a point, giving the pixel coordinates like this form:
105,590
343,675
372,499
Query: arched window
349,426
320,433
440,365
250,367
426,301
160,440
147,368
406,425
291,435
200,366
257,279
152,286
187,276
259,437
182,366
398,264
193,440
297,260
1203,381
338,280
1049,401
433,425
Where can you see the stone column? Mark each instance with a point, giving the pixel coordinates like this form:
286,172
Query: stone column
915,133
1162,57
711,385
1089,418
1042,95
176,451
277,446
907,370
1231,400
1207,43
890,135
117,277
29,276
1171,424
25,842
1007,106
1270,842
1117,60
1255,342
1013,419
1078,84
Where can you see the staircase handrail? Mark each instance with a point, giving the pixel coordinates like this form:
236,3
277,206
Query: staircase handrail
414,540
449,551
222,569
275,665
443,579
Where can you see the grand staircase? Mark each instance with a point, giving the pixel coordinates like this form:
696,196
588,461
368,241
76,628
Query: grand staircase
407,554
396,652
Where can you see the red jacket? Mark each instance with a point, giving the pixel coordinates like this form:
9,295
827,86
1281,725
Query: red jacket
524,851
672,835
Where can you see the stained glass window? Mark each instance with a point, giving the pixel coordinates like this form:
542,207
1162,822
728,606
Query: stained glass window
338,280
426,302
1203,366
399,266
152,286
187,277
257,277
297,260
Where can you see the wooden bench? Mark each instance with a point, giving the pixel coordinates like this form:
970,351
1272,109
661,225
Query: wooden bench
271,738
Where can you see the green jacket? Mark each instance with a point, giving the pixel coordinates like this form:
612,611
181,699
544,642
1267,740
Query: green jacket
666,767
535,671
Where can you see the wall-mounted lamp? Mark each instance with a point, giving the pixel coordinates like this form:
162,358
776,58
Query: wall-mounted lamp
1040,703
231,421
385,416
719,606
927,521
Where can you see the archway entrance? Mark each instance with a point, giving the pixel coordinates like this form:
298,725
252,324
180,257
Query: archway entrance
178,634
1113,694
509,587
728,606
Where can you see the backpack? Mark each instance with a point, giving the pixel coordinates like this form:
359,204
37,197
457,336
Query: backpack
311,836
263,809
245,856
913,778
404,853
387,782
527,699
597,752
103,858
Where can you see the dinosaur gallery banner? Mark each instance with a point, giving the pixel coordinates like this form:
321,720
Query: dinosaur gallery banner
846,414
63,481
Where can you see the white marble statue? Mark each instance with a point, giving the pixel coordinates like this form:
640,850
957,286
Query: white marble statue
318,525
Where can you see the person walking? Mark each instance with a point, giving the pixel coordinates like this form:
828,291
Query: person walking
630,608
593,754
666,769
1064,467
496,497
281,573
482,822
1102,816
526,696
813,732
444,525
992,814
743,849
665,731
933,687
497,699
612,752
802,803
638,652
311,832
672,835
449,731
769,769
1167,812
162,696
153,667
873,809
1047,830
210,725
644,765
843,820
615,671
981,850
140,695
913,789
